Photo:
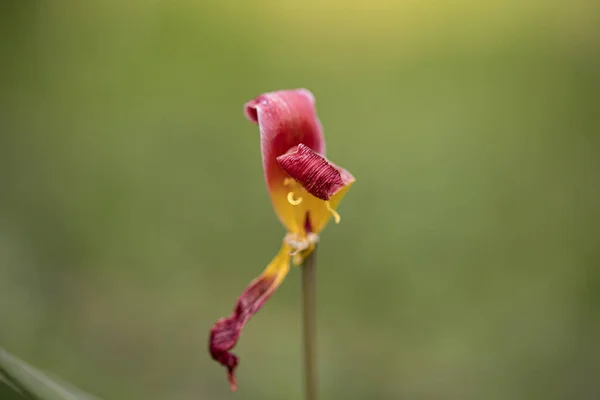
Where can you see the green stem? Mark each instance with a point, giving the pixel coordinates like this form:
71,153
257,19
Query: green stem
16,383
309,279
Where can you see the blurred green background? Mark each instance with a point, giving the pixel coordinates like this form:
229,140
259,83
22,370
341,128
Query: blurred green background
133,209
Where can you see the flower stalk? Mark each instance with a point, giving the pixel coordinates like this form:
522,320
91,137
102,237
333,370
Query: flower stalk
309,324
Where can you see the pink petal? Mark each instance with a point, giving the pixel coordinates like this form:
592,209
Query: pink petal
286,119
314,172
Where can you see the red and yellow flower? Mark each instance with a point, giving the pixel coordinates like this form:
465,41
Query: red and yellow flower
305,189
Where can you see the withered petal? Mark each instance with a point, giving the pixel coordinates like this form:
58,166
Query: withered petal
226,331
315,173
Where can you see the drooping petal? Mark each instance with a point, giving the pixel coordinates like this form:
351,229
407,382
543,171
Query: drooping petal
226,331
286,119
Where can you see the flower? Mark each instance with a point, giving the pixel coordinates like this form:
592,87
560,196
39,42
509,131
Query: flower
305,189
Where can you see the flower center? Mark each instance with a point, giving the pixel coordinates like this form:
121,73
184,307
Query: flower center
291,196
295,200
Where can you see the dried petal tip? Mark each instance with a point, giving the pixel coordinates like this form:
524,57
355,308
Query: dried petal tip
314,172
226,331
223,337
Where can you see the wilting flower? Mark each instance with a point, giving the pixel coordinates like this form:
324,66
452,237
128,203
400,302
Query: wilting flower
305,190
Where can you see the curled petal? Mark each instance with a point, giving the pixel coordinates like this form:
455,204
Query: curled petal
286,119
226,331
314,172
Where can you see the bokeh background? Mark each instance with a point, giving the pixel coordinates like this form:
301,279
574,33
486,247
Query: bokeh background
133,209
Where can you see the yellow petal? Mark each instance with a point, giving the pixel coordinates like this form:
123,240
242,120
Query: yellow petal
320,212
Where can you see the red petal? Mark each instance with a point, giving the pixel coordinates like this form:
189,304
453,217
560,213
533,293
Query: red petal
285,119
314,172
